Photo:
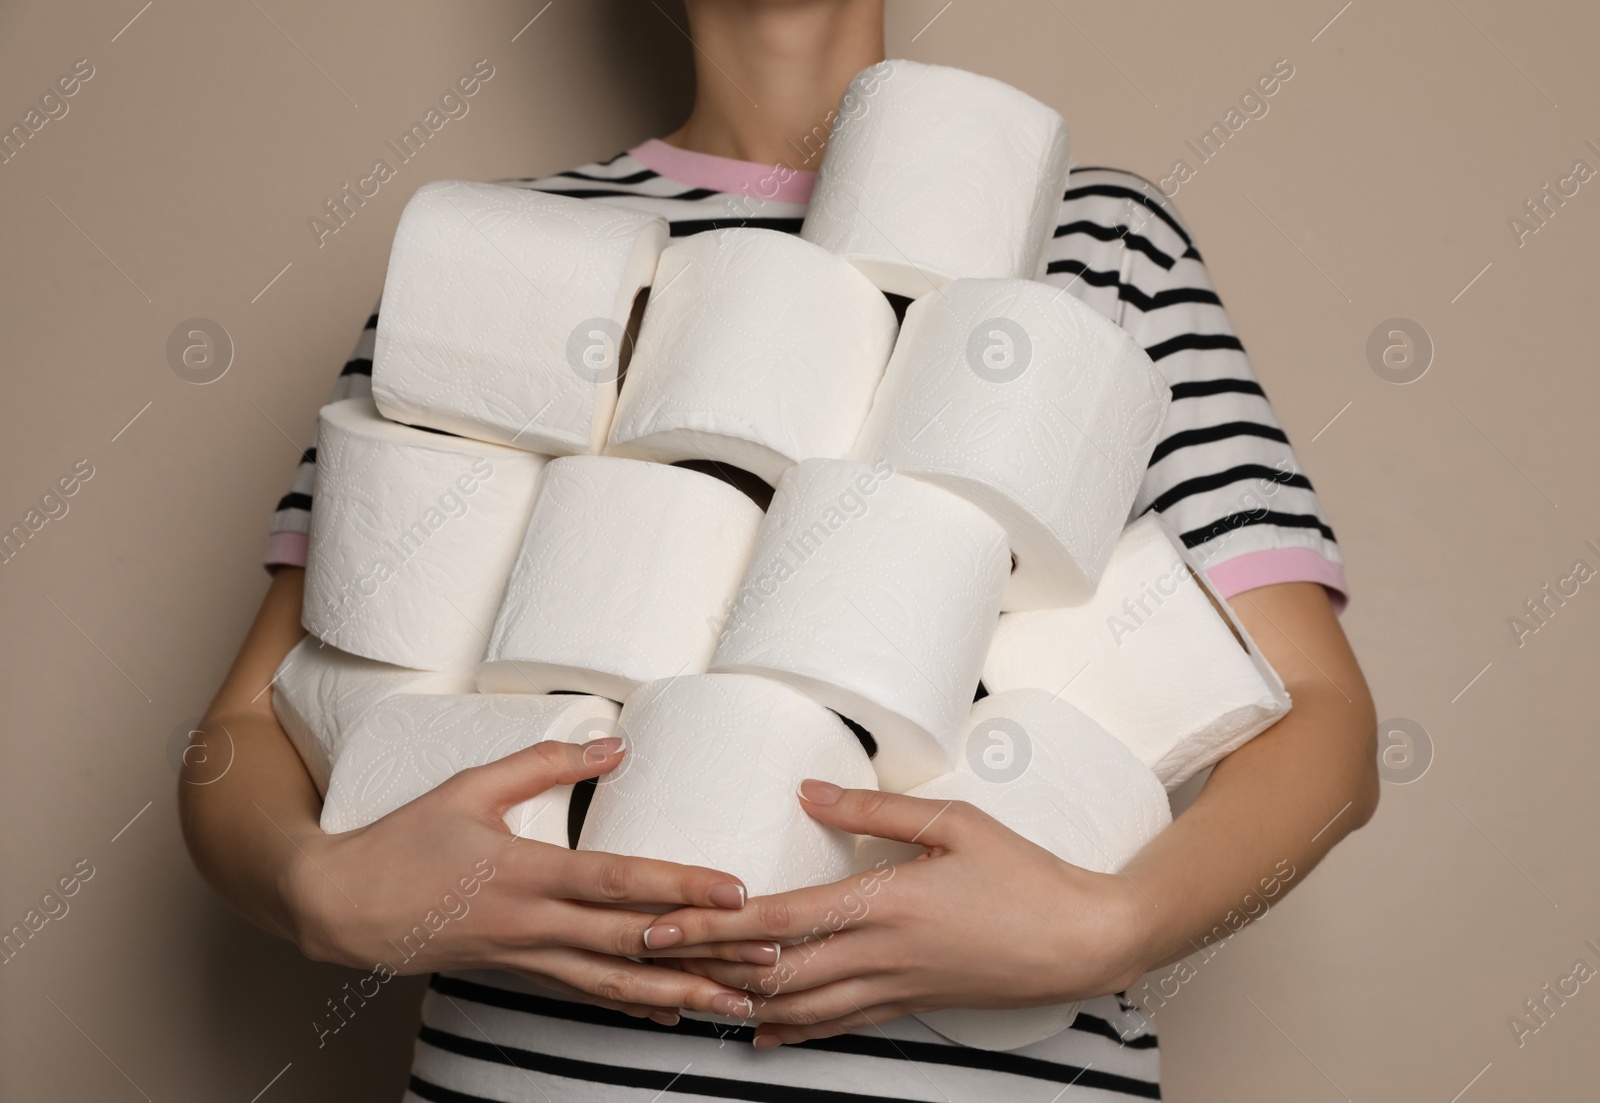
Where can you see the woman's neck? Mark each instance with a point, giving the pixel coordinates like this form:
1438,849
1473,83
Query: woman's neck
769,72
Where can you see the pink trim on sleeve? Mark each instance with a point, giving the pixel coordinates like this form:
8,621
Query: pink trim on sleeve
286,549
706,170
1267,568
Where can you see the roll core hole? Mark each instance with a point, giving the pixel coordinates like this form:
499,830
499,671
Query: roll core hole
863,736
1221,612
630,335
752,486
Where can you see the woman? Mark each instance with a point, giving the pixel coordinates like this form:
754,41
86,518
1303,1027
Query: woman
566,997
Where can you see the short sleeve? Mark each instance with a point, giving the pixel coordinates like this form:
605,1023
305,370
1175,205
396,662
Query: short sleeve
1224,475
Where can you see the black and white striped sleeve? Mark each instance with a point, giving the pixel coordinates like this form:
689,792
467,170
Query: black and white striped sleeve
1224,474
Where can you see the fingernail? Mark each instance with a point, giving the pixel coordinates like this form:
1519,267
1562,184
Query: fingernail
759,953
738,1006
665,1018
813,791
611,744
662,935
767,1041
727,895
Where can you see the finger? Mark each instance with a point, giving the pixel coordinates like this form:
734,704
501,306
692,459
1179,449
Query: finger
751,953
616,879
624,932
800,969
666,1016
772,1035
620,981
809,913
941,824
830,1001
528,772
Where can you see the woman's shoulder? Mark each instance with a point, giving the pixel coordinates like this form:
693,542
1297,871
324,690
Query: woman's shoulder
1123,201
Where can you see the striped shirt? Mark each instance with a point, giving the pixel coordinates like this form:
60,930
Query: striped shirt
1223,475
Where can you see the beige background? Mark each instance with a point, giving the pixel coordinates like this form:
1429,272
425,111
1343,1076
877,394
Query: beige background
1379,184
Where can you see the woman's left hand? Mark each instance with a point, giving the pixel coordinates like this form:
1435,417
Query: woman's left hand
983,919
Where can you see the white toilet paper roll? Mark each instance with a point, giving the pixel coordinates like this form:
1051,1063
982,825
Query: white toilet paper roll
1058,779
1154,656
710,776
407,745
413,535
1033,406
625,576
758,350
934,174
504,311
319,692
875,594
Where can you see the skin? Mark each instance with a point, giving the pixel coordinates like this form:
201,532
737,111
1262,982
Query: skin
982,919
986,919
544,911
768,72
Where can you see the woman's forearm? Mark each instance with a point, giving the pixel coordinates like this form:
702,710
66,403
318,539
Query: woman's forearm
483,898
1273,808
246,804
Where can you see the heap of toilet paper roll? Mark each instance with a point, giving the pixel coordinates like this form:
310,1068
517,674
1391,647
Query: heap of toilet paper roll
1058,779
504,311
1154,656
522,537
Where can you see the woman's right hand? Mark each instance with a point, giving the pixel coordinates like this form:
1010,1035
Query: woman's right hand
441,883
